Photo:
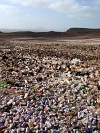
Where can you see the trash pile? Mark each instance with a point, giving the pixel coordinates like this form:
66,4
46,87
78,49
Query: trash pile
48,94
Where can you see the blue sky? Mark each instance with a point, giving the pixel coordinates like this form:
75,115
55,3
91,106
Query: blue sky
49,14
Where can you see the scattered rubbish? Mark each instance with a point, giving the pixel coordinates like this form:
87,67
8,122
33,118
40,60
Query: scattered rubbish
48,94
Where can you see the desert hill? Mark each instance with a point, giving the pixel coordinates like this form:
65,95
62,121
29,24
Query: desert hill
35,34
82,31
72,32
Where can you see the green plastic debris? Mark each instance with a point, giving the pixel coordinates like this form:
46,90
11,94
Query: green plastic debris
70,89
50,92
32,87
61,88
4,69
56,109
88,101
3,84
83,89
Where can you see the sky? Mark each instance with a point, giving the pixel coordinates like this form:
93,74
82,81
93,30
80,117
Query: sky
58,15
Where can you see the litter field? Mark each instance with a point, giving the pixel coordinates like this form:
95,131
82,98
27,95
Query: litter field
50,86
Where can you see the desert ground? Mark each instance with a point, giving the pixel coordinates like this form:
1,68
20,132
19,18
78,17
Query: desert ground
50,84
68,48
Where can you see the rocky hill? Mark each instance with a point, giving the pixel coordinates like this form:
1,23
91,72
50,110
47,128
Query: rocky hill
72,32
82,31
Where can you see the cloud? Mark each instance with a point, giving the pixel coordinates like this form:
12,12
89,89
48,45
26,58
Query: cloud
34,3
71,7
8,9
97,2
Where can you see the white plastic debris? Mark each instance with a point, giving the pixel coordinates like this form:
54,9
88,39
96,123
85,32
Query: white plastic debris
76,61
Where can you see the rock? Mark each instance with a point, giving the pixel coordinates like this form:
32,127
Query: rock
23,103
12,126
1,124
27,130
48,124
76,61
26,95
89,128
10,101
97,111
84,121
18,130
24,124
6,107
31,123
2,128
6,131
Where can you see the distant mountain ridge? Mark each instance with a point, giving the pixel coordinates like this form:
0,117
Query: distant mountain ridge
39,29
69,33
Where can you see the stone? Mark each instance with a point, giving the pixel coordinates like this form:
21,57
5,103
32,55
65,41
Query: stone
84,121
18,130
23,103
31,123
48,124
27,130
1,124
26,95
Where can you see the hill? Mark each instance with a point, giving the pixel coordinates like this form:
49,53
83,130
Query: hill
72,32
82,31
